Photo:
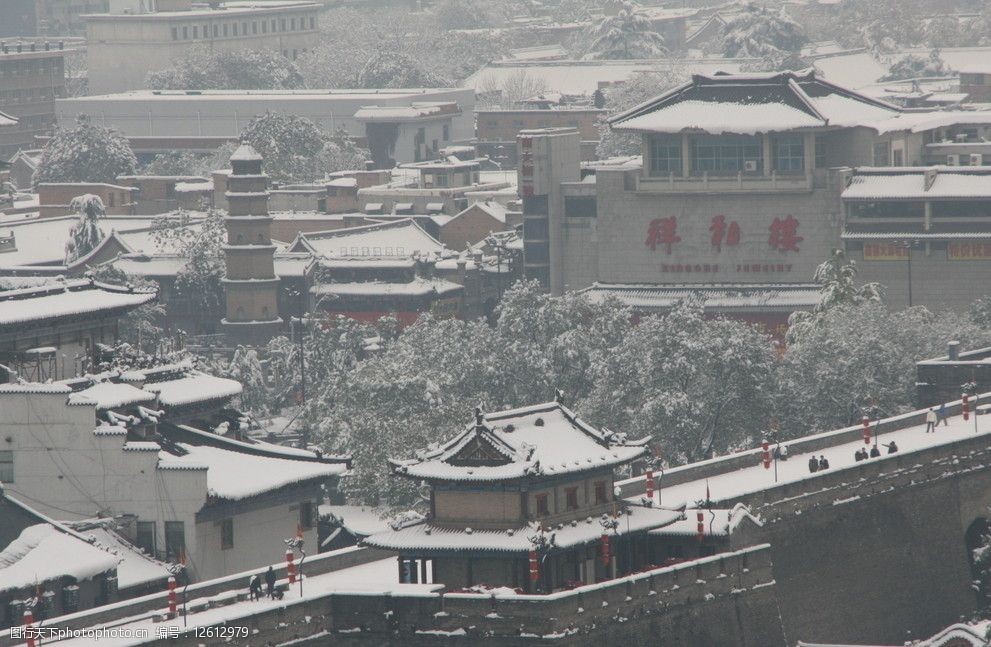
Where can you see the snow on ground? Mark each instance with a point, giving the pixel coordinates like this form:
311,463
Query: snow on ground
796,468
374,577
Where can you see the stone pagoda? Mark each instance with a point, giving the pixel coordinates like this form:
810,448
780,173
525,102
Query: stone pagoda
251,285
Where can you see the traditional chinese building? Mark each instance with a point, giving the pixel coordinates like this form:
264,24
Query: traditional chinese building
251,284
524,499
735,188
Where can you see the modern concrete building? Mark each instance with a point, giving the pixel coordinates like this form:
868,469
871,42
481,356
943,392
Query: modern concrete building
496,130
922,232
398,125
123,48
32,77
734,188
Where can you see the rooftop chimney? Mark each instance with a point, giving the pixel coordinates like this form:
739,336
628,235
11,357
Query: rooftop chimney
953,350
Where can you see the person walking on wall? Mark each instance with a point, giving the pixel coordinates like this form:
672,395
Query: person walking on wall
813,465
255,587
941,414
875,452
823,463
930,421
270,582
892,447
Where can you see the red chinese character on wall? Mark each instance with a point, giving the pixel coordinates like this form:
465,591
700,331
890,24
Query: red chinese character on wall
784,235
722,231
663,231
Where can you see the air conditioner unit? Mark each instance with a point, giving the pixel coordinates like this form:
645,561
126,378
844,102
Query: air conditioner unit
976,159
953,160
750,166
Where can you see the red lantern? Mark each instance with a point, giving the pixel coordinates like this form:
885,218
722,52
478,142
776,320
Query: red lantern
650,484
700,526
767,455
290,567
966,407
534,566
28,629
172,596
605,550
866,422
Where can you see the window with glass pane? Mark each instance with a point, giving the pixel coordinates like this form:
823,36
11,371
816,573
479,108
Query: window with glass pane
144,538
789,154
175,540
665,156
727,155
6,466
820,151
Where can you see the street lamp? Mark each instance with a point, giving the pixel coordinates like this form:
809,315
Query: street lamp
908,245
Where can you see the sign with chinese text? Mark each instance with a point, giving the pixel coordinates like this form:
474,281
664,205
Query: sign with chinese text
885,252
969,251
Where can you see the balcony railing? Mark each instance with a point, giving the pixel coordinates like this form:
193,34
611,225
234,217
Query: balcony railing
738,183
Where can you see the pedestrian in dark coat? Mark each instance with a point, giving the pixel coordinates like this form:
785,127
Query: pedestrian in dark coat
858,455
255,587
813,465
941,414
875,452
270,581
892,447
823,463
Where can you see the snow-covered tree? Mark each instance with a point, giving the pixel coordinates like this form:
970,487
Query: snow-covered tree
342,153
980,312
256,69
861,356
759,32
626,34
85,153
289,144
141,328
246,367
201,245
462,14
837,279
637,89
509,91
916,67
173,162
698,386
392,70
85,234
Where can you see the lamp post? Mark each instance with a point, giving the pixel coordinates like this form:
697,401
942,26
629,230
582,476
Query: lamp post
908,245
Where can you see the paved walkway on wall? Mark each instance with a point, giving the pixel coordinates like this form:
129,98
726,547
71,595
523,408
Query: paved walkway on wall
375,577
796,468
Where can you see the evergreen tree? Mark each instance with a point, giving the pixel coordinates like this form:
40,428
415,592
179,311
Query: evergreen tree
86,153
85,234
916,67
837,279
388,69
259,69
289,144
624,35
759,32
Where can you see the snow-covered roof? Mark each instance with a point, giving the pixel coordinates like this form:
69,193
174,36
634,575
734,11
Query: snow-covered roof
134,568
419,286
397,238
71,298
538,441
918,122
751,104
426,536
193,387
360,521
919,183
718,522
41,241
234,475
43,552
736,296
416,110
110,395
7,120
245,153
